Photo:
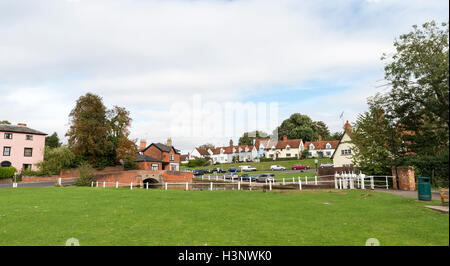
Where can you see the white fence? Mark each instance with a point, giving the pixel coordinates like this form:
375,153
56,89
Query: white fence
360,181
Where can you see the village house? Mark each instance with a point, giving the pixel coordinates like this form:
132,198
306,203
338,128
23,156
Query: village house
260,145
21,146
286,148
198,153
158,156
226,154
321,148
343,154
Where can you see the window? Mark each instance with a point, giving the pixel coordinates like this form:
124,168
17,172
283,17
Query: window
171,157
5,164
311,147
6,151
310,153
26,166
288,148
328,153
288,155
328,146
8,135
346,152
271,155
29,137
28,152
155,167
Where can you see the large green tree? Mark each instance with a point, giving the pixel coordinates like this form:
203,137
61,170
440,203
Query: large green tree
247,137
89,130
298,126
418,72
123,149
322,130
52,141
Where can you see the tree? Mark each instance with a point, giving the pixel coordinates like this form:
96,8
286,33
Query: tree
207,146
374,143
247,138
56,159
322,130
298,126
52,141
335,136
123,149
5,122
419,75
89,129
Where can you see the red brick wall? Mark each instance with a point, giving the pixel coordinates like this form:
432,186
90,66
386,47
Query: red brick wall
72,173
154,152
147,165
176,177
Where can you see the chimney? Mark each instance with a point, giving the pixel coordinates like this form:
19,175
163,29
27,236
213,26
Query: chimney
231,143
347,127
169,142
143,144
320,137
284,138
22,124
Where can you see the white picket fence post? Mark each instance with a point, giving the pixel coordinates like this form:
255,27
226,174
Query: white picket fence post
59,181
211,186
372,186
96,183
293,180
315,180
283,182
270,185
202,177
131,185
14,185
299,184
187,186
165,185
92,184
239,185
209,177
363,185
340,182
335,182
387,183
146,185
104,184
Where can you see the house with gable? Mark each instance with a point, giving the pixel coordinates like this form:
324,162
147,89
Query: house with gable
321,148
158,156
199,153
243,153
285,148
343,154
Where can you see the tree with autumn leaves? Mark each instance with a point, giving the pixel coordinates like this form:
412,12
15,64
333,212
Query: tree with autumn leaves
98,135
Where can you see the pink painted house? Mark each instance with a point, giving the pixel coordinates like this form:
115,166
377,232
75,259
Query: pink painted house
21,146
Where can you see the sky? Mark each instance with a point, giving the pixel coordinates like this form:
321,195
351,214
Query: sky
155,58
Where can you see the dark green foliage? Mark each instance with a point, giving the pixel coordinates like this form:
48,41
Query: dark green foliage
435,166
298,126
6,122
7,172
52,141
198,162
247,138
86,175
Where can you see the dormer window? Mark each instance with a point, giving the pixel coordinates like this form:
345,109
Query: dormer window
328,146
311,147
288,148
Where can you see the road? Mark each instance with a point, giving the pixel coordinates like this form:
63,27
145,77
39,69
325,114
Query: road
38,184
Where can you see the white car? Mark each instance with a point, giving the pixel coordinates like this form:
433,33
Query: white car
247,168
277,168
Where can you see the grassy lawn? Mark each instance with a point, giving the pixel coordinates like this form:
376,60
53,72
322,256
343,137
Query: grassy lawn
264,166
95,216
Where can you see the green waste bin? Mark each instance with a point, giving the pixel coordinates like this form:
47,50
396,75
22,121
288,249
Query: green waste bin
424,188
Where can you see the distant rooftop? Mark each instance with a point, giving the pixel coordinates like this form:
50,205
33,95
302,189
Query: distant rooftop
20,129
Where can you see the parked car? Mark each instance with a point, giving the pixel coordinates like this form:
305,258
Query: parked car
326,165
207,171
233,170
263,177
230,176
198,172
300,167
247,168
247,177
277,168
218,170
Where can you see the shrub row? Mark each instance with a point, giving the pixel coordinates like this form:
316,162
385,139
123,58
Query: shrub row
7,172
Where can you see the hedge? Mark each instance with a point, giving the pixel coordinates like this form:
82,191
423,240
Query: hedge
7,172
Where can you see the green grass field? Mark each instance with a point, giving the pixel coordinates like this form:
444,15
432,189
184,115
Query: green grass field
264,166
97,216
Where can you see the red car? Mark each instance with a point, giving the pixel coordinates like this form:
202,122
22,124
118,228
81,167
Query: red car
300,167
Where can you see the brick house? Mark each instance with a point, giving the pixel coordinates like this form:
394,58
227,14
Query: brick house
158,156
21,146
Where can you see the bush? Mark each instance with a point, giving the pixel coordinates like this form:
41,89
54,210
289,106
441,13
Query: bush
198,162
56,159
7,172
129,165
86,175
29,172
264,159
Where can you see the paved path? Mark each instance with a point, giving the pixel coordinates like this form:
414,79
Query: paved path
38,184
409,194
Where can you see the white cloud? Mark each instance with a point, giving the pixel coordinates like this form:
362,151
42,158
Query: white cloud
144,55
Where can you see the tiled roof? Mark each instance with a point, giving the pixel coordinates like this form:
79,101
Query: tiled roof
20,129
145,158
321,145
183,157
202,151
161,147
229,149
281,144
